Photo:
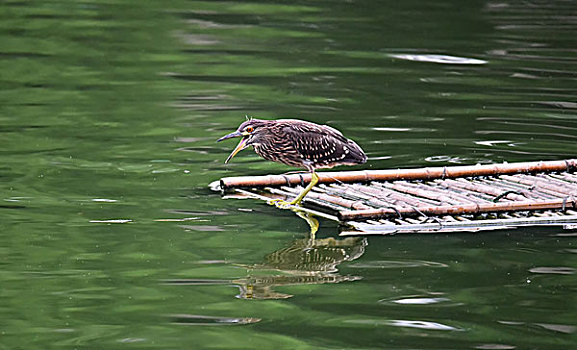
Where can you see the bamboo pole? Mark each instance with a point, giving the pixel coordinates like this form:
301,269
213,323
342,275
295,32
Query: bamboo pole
347,215
454,192
482,188
541,186
419,191
552,185
557,182
473,225
385,195
569,177
568,165
401,197
355,190
441,194
527,191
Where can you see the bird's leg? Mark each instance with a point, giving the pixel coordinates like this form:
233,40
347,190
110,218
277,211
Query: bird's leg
314,181
297,201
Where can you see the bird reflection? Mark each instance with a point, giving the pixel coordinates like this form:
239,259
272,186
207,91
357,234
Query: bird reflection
263,287
311,220
304,261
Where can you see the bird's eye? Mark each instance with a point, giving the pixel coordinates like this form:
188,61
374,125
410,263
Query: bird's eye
250,129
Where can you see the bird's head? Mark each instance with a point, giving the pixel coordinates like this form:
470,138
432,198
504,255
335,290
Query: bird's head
250,132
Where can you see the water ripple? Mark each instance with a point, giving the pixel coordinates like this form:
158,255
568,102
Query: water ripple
407,324
561,328
423,325
554,270
201,320
444,59
392,264
111,221
495,347
414,300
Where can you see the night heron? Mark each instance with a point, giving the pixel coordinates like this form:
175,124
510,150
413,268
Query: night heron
299,144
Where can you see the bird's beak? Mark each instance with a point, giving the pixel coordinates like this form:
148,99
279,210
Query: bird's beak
231,135
241,145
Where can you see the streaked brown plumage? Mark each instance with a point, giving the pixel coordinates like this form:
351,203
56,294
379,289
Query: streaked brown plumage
299,144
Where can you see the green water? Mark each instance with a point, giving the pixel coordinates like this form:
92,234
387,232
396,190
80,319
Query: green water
111,239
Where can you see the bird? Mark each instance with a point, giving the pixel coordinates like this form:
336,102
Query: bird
297,143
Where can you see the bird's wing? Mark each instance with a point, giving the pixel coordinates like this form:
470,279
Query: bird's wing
303,127
319,147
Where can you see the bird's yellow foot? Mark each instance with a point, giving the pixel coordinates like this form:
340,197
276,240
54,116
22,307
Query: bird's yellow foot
282,204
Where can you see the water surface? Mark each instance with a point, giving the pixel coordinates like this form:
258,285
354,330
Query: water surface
111,238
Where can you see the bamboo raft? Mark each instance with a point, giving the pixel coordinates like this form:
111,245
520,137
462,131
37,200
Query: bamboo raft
440,199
